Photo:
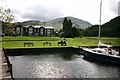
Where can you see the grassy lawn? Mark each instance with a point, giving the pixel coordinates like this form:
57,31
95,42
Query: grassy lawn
17,42
28,38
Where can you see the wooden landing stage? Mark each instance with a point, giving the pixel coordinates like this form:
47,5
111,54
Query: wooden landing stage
5,71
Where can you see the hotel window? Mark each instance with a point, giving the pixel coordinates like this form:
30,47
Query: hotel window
30,30
21,30
48,32
18,29
35,30
41,31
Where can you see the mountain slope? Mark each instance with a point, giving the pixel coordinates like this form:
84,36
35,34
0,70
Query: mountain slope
111,28
78,23
30,22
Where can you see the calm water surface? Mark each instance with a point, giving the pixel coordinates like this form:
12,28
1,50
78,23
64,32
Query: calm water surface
60,65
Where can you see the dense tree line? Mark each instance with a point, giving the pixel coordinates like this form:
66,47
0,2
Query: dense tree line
109,29
91,31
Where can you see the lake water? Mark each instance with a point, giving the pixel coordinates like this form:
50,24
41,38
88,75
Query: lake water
60,65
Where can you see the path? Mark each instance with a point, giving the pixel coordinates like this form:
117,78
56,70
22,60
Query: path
4,70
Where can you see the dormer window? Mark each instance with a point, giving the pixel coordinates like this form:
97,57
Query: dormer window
30,30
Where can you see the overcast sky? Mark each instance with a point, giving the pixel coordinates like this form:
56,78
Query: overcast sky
42,10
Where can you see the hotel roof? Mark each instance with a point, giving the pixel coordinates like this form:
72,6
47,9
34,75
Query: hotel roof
38,26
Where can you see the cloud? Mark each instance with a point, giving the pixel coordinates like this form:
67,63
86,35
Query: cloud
49,9
113,4
38,12
119,8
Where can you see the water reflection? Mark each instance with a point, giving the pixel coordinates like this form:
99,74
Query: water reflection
60,65
67,56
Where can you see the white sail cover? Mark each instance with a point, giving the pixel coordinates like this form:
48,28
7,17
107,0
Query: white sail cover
101,44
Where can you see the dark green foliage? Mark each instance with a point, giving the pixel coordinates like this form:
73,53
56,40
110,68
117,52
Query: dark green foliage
109,29
75,32
67,27
6,16
91,31
8,28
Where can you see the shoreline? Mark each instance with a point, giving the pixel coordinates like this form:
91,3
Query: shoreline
42,50
116,47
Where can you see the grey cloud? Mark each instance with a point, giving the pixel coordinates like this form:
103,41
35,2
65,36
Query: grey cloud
114,7
41,13
119,8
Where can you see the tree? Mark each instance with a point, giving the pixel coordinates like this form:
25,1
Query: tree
6,15
75,32
70,28
91,31
67,27
8,28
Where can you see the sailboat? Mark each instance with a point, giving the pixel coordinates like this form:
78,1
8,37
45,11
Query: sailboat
102,54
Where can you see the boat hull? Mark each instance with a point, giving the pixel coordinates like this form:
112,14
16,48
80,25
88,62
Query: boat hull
102,58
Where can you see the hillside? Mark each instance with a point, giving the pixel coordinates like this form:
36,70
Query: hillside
78,23
109,29
58,23
30,22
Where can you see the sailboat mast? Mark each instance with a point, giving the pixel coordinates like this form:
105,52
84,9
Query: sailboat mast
100,22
